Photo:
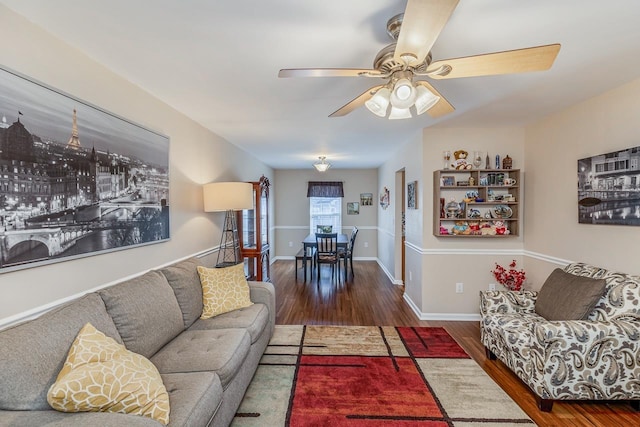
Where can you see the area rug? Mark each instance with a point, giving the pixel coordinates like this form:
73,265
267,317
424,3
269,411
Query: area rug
372,376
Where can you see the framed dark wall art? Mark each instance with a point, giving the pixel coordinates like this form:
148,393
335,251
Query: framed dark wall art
75,180
412,200
366,199
609,188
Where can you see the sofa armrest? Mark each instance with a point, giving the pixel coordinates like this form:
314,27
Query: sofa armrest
265,293
585,359
507,302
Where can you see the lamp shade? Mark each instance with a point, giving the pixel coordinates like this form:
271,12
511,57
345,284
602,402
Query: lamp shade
224,196
425,100
379,103
399,113
403,94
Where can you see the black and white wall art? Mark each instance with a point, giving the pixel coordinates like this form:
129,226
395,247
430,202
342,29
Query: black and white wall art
609,188
75,180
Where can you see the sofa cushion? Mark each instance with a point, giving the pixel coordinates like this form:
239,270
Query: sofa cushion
223,290
184,279
101,375
145,311
564,296
194,397
221,351
32,353
253,318
621,299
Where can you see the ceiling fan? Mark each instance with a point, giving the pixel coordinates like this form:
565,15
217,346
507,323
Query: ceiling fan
415,31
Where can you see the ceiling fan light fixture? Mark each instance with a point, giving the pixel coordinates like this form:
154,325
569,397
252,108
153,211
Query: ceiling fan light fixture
425,99
403,95
322,165
399,113
379,103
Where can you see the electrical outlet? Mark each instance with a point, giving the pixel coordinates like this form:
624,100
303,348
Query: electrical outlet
366,244
410,276
492,286
459,288
290,244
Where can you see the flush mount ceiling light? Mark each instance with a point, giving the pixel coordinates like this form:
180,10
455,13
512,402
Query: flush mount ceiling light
322,165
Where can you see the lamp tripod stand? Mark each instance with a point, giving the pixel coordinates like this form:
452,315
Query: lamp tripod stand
229,252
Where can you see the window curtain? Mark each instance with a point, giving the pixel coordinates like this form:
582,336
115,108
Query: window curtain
325,189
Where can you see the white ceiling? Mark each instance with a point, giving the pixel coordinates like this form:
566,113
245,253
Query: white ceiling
217,62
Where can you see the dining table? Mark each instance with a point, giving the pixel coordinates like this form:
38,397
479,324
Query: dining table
310,242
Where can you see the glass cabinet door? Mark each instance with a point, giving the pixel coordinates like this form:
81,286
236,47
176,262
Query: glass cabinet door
253,228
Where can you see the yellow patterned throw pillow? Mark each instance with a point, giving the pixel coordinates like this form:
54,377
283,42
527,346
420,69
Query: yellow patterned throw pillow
223,290
101,375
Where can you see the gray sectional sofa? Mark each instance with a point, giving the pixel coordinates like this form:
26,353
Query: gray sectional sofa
206,365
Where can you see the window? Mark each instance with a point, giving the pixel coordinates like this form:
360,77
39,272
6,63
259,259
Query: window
325,211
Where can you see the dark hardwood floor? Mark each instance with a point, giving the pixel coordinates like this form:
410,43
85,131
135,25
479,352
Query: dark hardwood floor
371,299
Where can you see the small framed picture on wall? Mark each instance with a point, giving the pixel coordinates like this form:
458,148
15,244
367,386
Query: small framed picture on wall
353,208
412,196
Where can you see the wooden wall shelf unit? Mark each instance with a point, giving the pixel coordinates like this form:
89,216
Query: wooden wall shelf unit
253,231
491,195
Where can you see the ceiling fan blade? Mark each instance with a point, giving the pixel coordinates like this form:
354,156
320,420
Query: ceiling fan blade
442,107
537,58
356,102
329,72
421,25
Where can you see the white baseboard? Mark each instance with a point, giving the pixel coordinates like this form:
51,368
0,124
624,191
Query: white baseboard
388,273
466,317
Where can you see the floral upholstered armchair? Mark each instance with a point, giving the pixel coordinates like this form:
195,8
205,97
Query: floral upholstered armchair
595,356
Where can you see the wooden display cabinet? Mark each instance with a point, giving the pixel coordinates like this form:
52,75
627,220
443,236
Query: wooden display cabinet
483,196
253,232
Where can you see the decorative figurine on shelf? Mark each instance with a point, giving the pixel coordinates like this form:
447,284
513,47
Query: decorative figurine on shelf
461,228
487,162
501,229
486,229
497,161
446,156
474,228
477,159
452,209
460,163
444,231
507,162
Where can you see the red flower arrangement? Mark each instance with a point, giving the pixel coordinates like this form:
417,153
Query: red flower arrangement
512,278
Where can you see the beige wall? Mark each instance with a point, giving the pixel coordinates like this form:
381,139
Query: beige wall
408,158
292,208
547,153
553,235
197,156
434,265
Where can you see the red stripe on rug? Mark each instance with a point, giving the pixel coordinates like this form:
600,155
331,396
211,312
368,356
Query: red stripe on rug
430,342
362,391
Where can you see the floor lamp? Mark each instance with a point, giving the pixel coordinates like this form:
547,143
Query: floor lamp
228,197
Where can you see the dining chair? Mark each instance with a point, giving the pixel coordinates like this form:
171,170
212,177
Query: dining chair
327,252
310,258
346,254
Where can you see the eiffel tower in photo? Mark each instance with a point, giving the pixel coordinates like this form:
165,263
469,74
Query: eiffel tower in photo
74,141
